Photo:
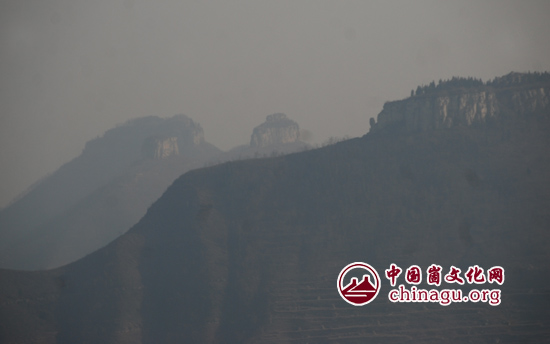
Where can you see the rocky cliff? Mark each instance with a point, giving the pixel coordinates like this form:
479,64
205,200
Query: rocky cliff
133,137
278,135
276,130
160,148
451,104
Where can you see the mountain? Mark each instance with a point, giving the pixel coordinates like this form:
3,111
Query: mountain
250,251
99,195
276,130
276,136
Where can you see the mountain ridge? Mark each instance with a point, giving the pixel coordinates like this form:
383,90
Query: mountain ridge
467,101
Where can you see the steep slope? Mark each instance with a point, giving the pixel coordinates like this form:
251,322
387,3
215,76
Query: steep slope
99,195
249,251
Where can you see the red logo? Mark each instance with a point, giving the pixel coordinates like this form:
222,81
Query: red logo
361,286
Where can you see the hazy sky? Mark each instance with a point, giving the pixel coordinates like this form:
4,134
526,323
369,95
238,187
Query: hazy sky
71,69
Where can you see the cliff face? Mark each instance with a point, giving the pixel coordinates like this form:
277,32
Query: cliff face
130,139
446,107
278,135
157,148
277,129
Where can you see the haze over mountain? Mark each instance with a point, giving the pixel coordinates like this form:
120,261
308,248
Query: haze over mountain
74,69
98,196
249,251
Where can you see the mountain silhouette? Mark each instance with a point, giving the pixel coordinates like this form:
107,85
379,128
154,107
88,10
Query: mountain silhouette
355,288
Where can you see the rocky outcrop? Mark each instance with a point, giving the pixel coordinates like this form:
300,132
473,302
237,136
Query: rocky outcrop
449,104
130,139
277,129
158,148
535,100
278,135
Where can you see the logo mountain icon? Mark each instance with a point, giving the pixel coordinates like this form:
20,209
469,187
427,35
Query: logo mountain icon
359,293
359,290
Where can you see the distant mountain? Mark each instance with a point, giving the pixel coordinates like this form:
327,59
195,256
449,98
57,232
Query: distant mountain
99,195
277,129
278,135
250,251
